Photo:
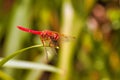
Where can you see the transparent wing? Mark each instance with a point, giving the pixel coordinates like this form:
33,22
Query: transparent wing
67,38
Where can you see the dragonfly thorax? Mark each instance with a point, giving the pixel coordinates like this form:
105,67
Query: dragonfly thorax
49,35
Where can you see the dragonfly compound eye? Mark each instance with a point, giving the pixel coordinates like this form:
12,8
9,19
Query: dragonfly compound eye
56,36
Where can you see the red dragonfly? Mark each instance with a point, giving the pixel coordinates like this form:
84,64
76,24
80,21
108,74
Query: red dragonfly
46,35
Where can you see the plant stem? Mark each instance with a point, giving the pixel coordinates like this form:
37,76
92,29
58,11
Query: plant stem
3,61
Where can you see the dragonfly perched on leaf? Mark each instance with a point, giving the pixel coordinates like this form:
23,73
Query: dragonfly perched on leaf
46,35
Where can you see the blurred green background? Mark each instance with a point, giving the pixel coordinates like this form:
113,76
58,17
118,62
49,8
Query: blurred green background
93,55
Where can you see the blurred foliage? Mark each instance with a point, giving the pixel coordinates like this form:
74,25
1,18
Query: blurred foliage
94,54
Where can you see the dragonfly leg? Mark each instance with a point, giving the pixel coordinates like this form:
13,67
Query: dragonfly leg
52,45
45,50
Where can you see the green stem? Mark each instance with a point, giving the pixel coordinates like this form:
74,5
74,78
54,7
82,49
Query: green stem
3,61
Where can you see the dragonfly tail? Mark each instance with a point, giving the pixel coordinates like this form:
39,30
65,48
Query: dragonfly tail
29,30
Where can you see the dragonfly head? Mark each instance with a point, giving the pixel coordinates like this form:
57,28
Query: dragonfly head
55,36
